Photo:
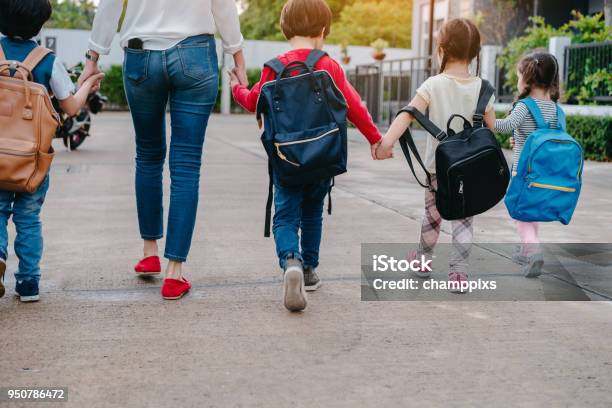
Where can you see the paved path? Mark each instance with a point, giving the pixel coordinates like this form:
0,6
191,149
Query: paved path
113,342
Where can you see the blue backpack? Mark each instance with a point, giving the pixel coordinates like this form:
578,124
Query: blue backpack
305,128
549,172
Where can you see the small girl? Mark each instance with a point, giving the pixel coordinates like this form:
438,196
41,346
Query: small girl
538,77
454,90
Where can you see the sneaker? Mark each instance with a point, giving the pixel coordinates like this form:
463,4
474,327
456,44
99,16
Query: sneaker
423,273
533,267
174,289
311,280
27,290
457,277
518,257
149,266
2,270
294,293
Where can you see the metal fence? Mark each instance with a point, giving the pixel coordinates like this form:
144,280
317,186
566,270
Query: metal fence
582,60
388,86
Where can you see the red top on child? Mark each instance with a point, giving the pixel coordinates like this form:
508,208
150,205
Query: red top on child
357,112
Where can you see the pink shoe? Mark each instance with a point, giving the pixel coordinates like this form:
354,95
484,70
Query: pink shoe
458,277
423,273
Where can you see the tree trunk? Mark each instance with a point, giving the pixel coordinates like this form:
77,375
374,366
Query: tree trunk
608,12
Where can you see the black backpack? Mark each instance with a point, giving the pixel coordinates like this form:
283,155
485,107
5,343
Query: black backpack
305,132
471,169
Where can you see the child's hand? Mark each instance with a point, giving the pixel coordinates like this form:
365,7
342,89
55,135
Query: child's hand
512,142
373,149
385,150
233,79
92,84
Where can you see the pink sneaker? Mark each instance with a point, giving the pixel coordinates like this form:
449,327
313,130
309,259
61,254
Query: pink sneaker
423,273
457,277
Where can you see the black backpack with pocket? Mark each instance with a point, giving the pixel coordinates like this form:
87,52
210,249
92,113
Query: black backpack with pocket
305,128
471,170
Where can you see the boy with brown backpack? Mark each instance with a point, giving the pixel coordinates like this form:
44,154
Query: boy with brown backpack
28,122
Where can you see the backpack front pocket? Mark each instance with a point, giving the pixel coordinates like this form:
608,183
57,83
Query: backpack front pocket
309,149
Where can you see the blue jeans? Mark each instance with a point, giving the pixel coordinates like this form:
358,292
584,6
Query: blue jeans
25,210
299,210
187,76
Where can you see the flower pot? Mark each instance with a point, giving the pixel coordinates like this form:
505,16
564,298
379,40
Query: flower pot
379,55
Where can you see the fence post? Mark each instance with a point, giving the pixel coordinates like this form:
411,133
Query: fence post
488,63
225,86
556,46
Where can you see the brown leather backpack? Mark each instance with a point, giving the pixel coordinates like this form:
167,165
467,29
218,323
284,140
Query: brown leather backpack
28,123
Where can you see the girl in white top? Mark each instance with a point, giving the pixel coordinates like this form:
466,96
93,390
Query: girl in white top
454,90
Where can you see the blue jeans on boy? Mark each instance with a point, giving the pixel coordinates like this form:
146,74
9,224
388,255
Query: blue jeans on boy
25,210
299,210
186,75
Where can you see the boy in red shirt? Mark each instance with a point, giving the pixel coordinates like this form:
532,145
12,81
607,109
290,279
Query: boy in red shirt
305,24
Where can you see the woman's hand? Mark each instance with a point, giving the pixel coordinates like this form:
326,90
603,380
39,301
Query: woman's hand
240,68
385,149
234,80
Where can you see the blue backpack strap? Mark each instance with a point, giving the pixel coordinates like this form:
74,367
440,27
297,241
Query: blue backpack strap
560,118
314,57
275,65
536,113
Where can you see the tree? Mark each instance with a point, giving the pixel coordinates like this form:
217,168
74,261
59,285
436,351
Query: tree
76,14
357,22
364,21
501,20
260,20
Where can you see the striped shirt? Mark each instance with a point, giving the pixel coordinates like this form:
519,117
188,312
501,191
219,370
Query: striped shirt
521,124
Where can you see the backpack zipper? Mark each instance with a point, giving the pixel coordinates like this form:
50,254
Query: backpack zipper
312,139
552,187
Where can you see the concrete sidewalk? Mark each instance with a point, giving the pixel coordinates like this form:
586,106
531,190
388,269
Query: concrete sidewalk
110,338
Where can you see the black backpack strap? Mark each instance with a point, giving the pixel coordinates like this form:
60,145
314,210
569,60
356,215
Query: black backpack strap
486,91
275,65
427,124
407,144
314,57
269,202
329,199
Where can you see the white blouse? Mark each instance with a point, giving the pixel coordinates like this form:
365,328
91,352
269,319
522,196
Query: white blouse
161,24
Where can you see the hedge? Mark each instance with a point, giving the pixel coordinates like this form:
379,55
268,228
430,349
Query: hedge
112,87
593,132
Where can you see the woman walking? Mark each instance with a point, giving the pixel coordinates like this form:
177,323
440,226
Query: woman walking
170,59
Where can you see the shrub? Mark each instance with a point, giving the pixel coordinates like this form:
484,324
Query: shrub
582,29
112,86
594,133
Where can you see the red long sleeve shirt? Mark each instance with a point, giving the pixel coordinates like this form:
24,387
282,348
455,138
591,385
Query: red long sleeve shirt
357,112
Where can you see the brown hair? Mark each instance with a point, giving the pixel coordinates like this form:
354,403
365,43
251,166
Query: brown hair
540,69
305,18
459,39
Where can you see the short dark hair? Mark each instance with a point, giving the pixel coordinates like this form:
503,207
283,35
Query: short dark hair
23,18
306,18
541,69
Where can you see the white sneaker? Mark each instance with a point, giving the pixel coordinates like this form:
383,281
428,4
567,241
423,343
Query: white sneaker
294,293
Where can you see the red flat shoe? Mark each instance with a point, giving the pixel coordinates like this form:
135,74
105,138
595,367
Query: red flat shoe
174,288
148,266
